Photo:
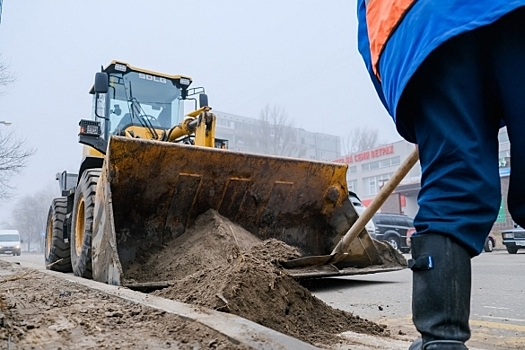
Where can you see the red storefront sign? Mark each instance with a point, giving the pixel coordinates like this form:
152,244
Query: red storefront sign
366,155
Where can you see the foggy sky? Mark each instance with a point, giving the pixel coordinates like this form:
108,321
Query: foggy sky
301,55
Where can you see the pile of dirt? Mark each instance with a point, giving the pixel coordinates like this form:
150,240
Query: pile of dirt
39,311
213,241
219,265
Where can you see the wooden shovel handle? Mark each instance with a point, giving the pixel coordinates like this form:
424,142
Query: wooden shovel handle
377,202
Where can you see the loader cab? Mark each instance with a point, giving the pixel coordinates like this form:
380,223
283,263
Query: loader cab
125,96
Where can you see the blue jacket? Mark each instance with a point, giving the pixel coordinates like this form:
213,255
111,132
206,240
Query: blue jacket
425,26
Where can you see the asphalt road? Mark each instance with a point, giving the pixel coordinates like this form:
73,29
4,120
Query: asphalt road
35,258
498,298
497,308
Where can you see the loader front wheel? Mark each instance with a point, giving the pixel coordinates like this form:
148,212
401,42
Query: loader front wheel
57,253
82,223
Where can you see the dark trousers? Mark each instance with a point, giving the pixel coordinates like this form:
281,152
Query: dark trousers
453,108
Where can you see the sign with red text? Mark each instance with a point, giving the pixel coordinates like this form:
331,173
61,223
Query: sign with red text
366,155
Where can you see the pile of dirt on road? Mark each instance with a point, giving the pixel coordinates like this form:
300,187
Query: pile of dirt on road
39,311
220,265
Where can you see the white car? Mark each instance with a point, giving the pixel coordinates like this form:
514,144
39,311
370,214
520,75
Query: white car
10,242
360,208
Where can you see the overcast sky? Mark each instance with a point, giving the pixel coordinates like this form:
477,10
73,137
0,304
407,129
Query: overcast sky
298,54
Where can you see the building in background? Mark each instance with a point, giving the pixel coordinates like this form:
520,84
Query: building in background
369,170
251,135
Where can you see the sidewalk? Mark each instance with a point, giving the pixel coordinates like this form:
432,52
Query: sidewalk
239,330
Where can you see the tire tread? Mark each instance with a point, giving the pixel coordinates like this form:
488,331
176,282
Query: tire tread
59,258
87,186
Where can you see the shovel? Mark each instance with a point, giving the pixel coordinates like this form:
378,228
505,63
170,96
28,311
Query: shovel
340,251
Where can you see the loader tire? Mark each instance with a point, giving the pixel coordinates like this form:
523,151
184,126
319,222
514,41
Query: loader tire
82,223
57,252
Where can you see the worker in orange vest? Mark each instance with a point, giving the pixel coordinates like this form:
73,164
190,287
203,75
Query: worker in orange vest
451,73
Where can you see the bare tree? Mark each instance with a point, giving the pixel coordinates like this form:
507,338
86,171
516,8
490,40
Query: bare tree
5,225
14,155
13,150
30,215
5,77
360,139
276,134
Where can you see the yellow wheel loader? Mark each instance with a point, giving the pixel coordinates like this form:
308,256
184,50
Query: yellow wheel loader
149,170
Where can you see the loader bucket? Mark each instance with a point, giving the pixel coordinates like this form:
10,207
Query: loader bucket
149,192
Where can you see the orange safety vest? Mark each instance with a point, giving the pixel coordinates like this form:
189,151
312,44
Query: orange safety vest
382,18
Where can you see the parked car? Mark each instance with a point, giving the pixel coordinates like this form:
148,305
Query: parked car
490,243
394,229
514,239
360,208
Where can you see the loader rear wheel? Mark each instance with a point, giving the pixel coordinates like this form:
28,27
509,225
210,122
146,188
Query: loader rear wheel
82,223
57,253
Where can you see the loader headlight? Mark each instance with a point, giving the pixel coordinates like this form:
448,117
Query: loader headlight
89,127
120,67
184,81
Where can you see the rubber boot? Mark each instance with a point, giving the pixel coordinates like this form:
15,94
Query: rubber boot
440,292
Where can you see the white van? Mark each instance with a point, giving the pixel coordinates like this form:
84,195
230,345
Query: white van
10,242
